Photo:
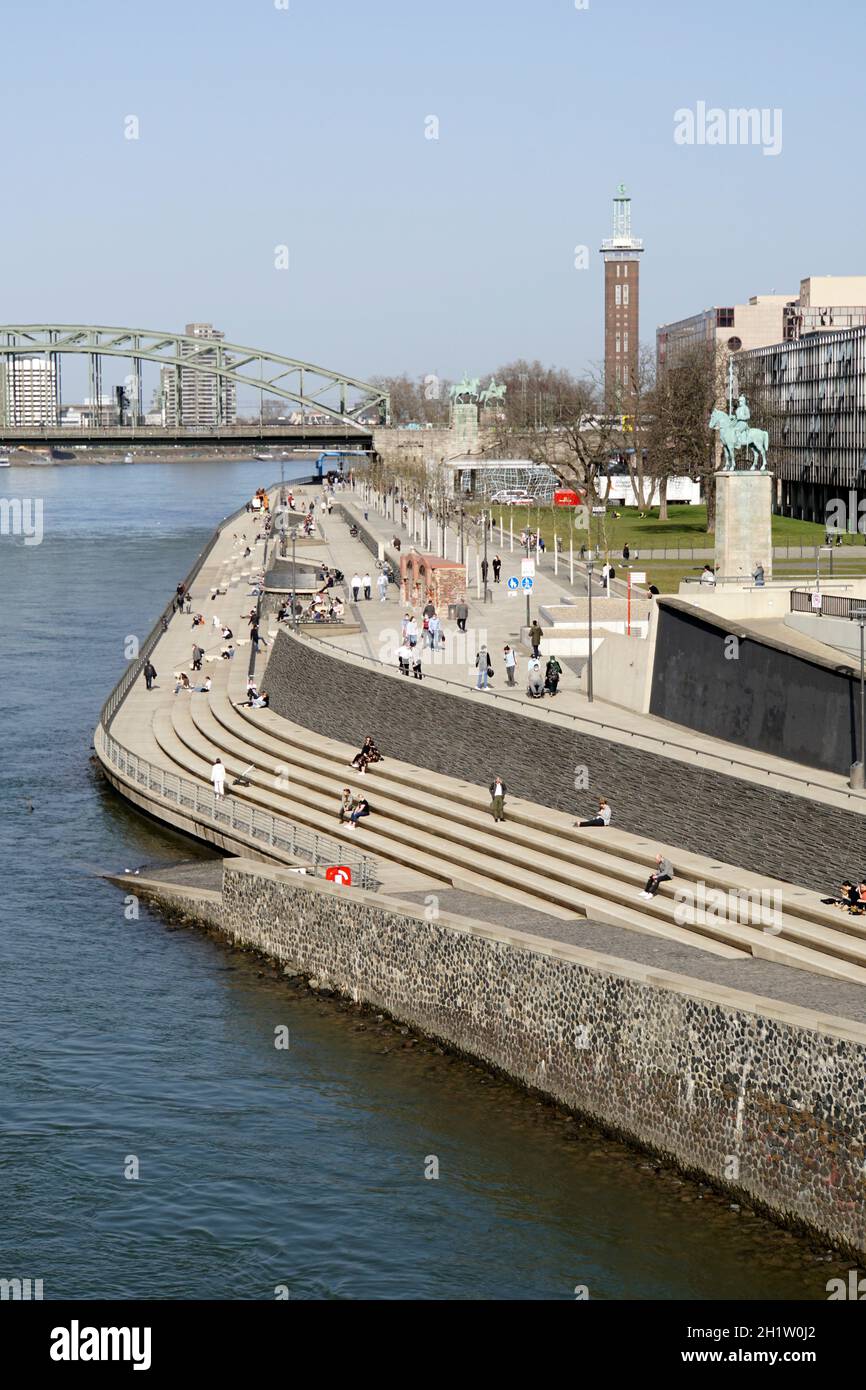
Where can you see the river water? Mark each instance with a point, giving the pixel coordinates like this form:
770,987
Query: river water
135,1042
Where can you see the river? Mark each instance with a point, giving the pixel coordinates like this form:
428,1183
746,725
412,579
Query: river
258,1168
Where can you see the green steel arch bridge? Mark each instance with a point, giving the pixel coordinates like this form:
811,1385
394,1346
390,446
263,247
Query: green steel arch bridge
352,407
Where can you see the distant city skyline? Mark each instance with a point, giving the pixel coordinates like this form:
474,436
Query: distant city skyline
382,189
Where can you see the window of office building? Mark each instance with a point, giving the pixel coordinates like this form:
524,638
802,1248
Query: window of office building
619,294
625,294
724,318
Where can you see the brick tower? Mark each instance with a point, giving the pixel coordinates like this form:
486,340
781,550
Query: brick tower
621,254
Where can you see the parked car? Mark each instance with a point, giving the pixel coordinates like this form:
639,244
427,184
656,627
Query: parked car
513,497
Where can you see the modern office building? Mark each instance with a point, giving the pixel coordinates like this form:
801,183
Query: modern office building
810,394
824,302
734,326
193,398
621,254
28,392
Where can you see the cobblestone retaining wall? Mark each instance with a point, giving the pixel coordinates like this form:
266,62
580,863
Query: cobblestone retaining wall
770,832
762,1097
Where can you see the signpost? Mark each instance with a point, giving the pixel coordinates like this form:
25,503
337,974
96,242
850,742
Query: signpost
526,584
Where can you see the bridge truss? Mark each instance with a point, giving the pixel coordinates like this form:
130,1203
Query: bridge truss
313,389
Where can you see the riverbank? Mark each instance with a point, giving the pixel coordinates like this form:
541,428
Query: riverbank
759,1095
711,1080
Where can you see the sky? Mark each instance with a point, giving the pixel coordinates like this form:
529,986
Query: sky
274,132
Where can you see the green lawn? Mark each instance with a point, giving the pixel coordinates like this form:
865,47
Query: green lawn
686,527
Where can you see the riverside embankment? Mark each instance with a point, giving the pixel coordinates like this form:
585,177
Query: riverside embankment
758,1095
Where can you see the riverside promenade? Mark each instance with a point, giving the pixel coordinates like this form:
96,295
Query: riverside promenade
443,903
501,620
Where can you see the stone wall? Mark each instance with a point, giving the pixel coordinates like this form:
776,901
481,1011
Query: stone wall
760,1096
768,831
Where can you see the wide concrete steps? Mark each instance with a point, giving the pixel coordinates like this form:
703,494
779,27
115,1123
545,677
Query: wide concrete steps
625,855
193,753
607,884
449,839
607,851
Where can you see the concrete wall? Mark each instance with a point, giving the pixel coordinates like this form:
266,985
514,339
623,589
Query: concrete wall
746,823
766,698
762,1097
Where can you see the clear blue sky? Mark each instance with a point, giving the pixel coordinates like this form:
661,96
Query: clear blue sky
261,126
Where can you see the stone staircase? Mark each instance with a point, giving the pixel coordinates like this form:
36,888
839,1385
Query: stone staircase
441,828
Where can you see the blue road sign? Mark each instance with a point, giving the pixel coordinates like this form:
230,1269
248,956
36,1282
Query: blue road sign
514,582
526,583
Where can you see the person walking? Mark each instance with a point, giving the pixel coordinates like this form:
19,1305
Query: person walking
382,586
218,778
149,674
662,873
416,663
552,673
433,626
485,669
356,587
461,613
197,656
536,632
404,656
602,818
497,568
626,554
758,576
484,569
367,582
498,791
509,656
412,633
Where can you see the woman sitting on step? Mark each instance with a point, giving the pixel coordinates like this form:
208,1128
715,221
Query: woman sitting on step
368,754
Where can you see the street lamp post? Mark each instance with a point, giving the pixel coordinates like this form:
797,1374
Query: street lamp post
487,594
589,568
856,778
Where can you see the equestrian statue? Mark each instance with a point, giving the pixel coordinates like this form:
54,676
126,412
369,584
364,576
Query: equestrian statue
735,433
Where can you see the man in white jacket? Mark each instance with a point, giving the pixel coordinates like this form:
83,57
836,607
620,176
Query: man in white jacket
218,777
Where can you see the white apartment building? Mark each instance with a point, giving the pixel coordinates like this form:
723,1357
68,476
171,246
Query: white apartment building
196,399
29,392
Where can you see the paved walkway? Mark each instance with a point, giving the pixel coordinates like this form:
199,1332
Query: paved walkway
500,621
228,570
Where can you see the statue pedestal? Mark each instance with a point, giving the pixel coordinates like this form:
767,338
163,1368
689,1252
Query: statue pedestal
464,427
744,537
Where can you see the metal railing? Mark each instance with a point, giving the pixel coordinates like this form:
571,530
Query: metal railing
232,814
830,606
275,831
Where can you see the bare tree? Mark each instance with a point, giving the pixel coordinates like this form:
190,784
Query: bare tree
548,416
679,443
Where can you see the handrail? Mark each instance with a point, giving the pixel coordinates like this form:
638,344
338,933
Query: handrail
276,831
237,815
597,727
